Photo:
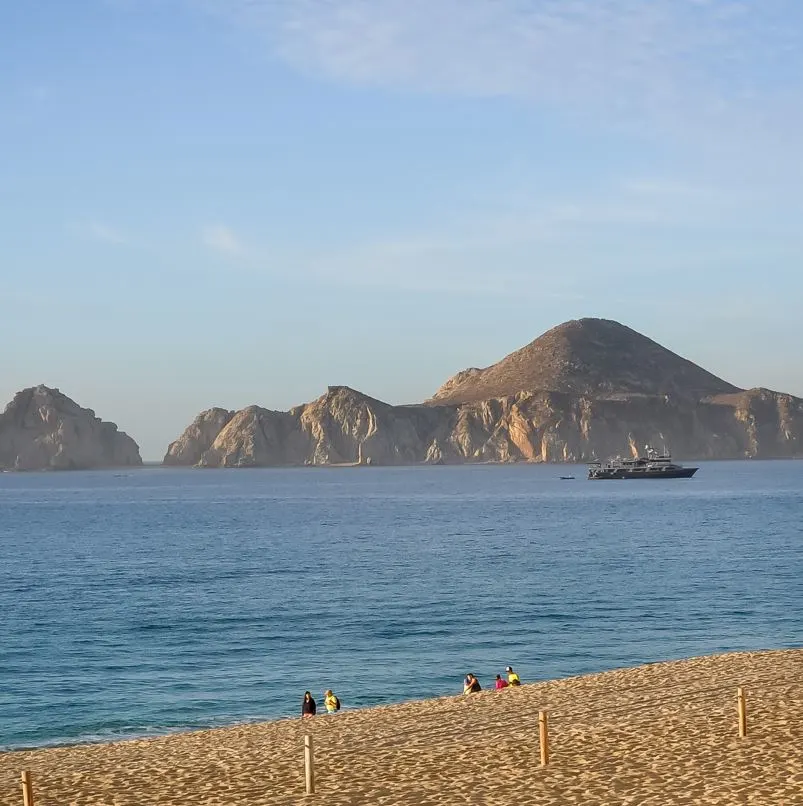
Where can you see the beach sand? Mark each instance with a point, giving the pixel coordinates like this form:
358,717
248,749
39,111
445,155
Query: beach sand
659,734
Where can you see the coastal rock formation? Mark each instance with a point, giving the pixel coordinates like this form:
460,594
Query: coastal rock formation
198,437
341,427
42,429
587,389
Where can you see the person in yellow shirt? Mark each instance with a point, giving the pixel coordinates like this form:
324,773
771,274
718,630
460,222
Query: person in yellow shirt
331,702
512,677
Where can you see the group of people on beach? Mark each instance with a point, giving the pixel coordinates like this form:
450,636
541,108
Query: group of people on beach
471,685
330,702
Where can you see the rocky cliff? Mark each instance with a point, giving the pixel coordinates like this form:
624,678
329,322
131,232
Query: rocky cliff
42,429
190,447
341,427
590,389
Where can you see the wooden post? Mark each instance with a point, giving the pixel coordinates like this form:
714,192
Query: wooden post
27,789
543,731
742,711
309,765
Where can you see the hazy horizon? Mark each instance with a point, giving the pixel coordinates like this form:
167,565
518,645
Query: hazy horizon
227,202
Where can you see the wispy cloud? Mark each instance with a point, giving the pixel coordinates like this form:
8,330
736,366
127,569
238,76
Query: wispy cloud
721,79
662,58
222,239
576,247
102,232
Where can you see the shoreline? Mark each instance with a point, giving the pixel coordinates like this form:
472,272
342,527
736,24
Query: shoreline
664,730
162,733
157,465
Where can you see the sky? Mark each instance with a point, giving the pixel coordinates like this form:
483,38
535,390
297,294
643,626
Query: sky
227,202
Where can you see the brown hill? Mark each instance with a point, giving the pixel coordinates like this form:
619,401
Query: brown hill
591,357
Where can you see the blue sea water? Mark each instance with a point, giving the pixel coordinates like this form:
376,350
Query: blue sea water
154,600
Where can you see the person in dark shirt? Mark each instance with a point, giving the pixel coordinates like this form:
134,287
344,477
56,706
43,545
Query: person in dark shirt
471,685
308,705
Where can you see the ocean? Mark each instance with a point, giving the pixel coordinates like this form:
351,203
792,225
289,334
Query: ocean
141,602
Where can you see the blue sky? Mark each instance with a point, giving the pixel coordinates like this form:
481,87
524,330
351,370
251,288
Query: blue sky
225,202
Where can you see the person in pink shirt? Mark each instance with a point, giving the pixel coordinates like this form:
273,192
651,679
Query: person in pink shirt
500,683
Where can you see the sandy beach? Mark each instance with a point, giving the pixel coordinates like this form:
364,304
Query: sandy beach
659,734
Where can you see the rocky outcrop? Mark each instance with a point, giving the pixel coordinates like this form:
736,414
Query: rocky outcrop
42,429
606,390
252,437
198,437
766,423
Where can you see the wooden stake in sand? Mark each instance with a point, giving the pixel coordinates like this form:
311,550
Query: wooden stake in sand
27,789
742,711
543,735
309,765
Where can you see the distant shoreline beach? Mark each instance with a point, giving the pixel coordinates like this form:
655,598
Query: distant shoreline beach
663,731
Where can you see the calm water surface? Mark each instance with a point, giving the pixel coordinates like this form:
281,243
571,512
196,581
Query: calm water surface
154,600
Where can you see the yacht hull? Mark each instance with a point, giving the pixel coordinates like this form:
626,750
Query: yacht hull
627,474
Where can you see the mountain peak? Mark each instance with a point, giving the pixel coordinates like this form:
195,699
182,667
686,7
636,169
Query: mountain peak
594,357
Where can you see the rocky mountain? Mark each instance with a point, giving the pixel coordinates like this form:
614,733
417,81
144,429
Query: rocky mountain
587,389
42,429
590,357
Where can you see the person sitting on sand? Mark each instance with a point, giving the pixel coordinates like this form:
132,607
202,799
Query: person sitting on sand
331,702
307,705
471,685
512,677
500,683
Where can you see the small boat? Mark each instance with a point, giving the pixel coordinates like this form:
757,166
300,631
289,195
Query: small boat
651,466
566,478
